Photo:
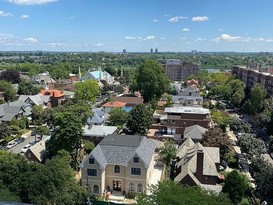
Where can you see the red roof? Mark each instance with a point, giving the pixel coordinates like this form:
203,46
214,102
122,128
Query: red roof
53,93
114,104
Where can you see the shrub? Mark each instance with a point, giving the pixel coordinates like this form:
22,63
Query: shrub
130,195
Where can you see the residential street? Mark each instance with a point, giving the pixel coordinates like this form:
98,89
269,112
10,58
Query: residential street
17,149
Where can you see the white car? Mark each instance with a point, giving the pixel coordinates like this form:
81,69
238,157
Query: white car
11,144
25,148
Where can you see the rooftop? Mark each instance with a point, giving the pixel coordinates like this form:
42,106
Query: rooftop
185,109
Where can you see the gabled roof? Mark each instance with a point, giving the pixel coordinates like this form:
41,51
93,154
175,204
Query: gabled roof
98,117
7,112
96,75
38,99
120,149
38,150
114,104
188,159
194,132
53,93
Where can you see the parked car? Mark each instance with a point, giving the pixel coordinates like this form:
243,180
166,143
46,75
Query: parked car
11,144
20,140
25,148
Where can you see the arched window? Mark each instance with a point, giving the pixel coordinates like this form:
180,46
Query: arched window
96,189
139,188
131,187
117,169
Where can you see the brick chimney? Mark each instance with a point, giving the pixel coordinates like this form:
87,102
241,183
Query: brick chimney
200,165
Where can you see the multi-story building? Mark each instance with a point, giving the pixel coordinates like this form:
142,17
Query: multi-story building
178,70
174,120
120,163
251,77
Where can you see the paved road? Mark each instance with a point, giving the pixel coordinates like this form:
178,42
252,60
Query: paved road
17,149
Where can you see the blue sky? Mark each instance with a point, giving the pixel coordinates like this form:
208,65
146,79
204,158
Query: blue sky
136,25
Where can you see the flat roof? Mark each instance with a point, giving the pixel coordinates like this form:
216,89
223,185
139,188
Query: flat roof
185,109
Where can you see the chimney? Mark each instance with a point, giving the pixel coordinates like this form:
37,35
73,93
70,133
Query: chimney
200,165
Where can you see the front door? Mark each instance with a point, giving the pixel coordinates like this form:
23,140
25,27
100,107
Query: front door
116,185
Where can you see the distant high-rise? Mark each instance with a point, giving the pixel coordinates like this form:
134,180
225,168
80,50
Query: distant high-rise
156,51
178,70
124,51
151,51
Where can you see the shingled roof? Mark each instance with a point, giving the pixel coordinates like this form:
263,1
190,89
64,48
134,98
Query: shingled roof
120,149
194,132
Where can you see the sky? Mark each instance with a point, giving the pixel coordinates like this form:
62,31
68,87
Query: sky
136,25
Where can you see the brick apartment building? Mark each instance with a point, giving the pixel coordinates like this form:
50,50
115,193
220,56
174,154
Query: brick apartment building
178,70
251,77
174,120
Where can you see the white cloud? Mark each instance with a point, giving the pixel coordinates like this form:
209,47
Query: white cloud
99,44
130,37
227,37
162,38
150,38
201,39
140,38
220,29
24,16
31,40
2,13
200,18
31,2
186,30
155,20
183,38
177,18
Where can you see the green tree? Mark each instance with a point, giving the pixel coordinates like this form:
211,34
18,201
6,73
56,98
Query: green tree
167,192
87,90
41,130
167,152
251,145
5,130
220,92
236,185
9,92
221,119
118,117
7,195
10,75
150,80
38,115
55,183
238,97
118,89
27,88
140,119
215,137
257,99
67,136
88,146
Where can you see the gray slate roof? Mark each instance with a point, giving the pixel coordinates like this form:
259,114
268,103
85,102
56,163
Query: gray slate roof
7,112
38,99
120,149
98,117
194,132
188,160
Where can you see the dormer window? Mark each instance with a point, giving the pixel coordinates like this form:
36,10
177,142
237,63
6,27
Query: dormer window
136,159
91,160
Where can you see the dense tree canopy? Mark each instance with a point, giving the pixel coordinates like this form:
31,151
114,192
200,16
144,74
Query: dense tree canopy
118,117
27,88
87,90
236,185
9,92
167,192
215,137
251,145
140,119
12,76
150,80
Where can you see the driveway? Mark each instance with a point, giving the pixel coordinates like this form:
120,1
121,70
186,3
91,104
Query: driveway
17,148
